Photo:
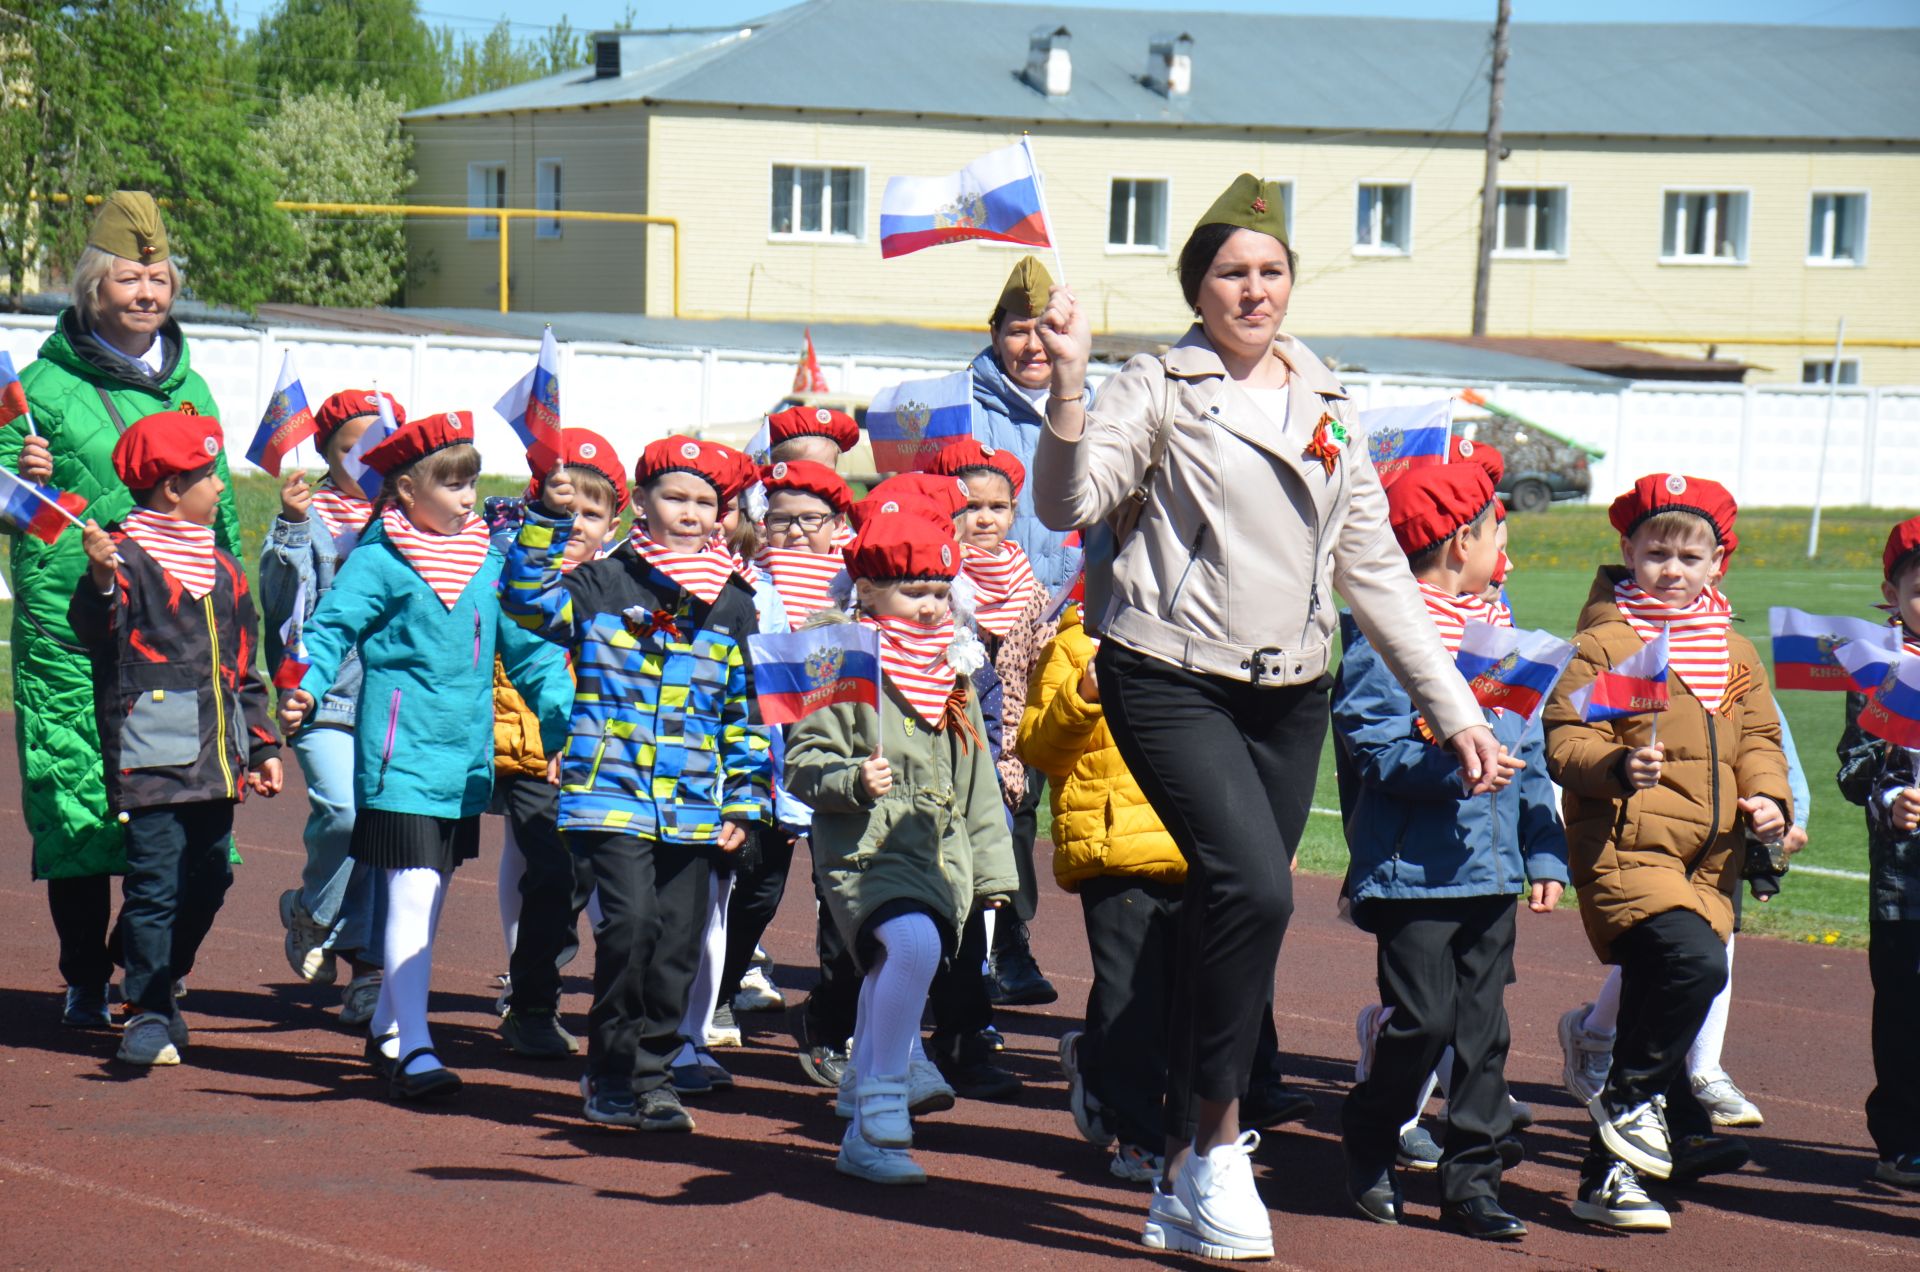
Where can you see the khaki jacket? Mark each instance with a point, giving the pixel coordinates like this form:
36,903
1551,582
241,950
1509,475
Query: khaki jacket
1677,846
1232,568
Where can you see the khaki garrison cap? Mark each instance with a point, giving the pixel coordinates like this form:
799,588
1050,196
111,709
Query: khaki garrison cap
129,226
1251,204
1025,295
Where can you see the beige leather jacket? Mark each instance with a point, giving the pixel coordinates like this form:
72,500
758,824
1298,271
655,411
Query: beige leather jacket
1231,569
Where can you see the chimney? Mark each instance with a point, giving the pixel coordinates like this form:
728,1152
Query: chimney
606,55
1050,61
1170,64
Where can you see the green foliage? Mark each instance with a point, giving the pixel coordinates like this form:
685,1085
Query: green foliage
498,60
304,46
338,146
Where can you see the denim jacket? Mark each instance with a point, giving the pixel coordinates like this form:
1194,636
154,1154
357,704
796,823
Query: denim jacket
297,552
1005,419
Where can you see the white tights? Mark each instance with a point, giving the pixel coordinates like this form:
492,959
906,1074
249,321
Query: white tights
414,899
886,1033
513,865
704,993
1703,1058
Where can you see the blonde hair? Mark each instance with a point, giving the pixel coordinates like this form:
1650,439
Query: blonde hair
449,466
1676,523
594,484
91,270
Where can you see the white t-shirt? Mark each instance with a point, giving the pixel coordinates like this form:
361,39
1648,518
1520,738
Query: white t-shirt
1273,403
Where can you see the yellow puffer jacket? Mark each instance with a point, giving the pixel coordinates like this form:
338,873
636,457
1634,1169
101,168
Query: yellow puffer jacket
1102,823
516,731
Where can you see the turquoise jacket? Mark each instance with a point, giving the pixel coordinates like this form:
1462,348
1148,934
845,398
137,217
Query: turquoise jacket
424,734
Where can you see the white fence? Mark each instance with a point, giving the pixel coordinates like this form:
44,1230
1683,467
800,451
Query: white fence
1762,442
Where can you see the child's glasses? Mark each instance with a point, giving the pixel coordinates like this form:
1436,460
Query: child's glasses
809,522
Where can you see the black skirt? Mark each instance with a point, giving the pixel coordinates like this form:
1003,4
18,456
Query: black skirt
410,841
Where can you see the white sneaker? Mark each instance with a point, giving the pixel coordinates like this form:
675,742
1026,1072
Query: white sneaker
1136,1165
1081,1103
1586,1057
1226,1218
883,1119
1726,1103
927,1091
876,1165
1169,1226
758,992
357,1003
1637,1135
147,1041
1366,1029
1617,1200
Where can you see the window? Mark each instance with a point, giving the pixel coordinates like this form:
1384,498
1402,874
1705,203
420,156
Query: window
486,188
1531,222
819,203
1820,371
1705,226
1137,215
546,197
1837,231
1383,220
1286,203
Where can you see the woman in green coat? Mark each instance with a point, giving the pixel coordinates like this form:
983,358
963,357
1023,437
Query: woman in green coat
115,356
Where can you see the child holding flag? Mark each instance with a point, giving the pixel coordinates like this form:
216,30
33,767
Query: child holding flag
1434,874
1653,825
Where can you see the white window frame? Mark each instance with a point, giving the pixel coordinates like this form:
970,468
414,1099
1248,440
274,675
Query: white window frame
1166,216
1724,262
1375,248
1533,254
823,236
1866,212
1290,192
546,200
1846,365
486,227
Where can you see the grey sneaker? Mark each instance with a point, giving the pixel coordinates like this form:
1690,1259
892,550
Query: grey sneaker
1586,1057
1615,1199
757,990
147,1041
1637,1135
1087,1113
724,1030
86,1008
608,1107
361,997
1418,1151
306,942
537,1035
1726,1103
661,1110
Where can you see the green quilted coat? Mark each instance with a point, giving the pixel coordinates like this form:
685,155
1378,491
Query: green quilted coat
61,780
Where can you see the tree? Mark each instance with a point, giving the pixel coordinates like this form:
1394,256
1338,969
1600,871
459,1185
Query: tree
305,45
43,149
497,60
332,146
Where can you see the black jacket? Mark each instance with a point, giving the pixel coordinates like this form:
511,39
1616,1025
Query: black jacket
182,712
1871,770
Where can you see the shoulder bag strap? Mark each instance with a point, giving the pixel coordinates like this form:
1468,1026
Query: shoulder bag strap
113,412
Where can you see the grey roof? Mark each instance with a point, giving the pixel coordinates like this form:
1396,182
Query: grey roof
958,58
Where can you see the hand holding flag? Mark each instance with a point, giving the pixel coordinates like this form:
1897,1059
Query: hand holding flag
286,422
797,673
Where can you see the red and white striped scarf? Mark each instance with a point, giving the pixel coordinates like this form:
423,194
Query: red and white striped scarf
340,512
1451,614
704,573
445,562
1003,583
183,549
914,658
1696,636
803,579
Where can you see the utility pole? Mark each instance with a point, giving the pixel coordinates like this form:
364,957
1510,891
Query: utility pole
1490,193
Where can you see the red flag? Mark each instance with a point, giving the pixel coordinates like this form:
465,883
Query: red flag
807,377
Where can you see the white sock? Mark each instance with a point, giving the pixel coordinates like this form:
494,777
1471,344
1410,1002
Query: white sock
899,997
987,921
413,911
1703,1057
704,993
1604,1016
513,864
1443,1075
1420,1105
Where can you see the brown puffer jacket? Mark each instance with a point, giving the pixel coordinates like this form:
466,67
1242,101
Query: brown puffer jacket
1678,846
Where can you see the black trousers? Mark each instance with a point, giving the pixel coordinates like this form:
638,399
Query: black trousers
1131,925
1025,829
1893,1108
755,900
553,891
1443,967
1672,966
835,1001
653,901
958,997
82,911
1229,767
177,879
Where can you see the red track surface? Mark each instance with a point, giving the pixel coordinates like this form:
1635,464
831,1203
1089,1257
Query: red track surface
273,1146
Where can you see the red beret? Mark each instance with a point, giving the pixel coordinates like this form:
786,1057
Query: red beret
1430,502
813,421
350,404
903,546
808,478
939,499
1670,492
580,448
1463,449
419,438
725,469
963,453
163,444
1902,543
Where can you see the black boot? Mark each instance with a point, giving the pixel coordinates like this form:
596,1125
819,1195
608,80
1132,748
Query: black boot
1016,979
966,1062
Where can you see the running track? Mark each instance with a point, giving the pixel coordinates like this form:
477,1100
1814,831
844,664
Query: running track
272,1146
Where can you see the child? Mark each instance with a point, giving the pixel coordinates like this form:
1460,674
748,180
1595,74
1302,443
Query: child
542,886
1653,826
1433,875
816,434
335,908
417,600
165,615
664,763
909,835
1883,778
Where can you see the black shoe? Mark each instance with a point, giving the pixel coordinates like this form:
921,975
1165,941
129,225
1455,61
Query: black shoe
433,1084
1274,1104
378,1058
1482,1217
822,1061
1374,1191
1017,982
966,1062
1696,1156
1511,1151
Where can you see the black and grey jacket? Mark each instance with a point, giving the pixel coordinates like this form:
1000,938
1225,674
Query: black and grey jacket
1872,771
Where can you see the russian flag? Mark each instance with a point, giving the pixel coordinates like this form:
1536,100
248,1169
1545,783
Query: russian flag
13,394
1637,686
997,196
796,673
532,405
1806,648
1509,669
40,511
293,643
286,422
908,423
1868,661
355,460
1403,437
1893,710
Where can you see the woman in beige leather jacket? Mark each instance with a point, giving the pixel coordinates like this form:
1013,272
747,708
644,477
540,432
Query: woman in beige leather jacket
1218,641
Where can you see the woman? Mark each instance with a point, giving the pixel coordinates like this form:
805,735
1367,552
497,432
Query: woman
1218,639
115,356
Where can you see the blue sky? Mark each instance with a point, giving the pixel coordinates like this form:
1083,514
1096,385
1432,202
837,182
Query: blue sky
592,14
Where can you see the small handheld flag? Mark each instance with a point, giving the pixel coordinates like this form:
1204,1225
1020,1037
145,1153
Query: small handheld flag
807,377
286,422
532,405
1403,437
908,423
1806,650
1867,662
1892,710
797,673
997,197
13,394
1635,687
40,511
1509,669
354,461
293,643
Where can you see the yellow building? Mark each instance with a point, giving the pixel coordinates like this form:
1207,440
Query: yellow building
1732,190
